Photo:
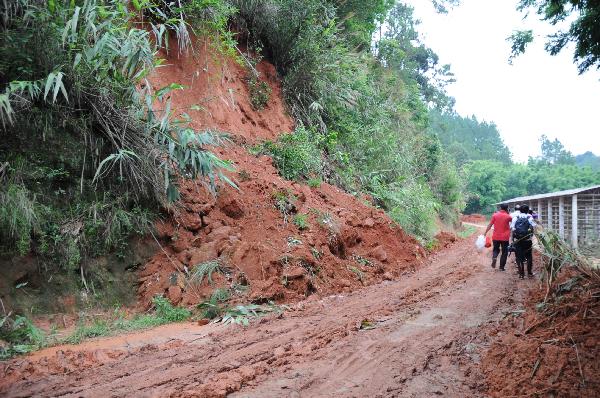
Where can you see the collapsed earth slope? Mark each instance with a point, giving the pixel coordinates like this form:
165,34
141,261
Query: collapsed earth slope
248,235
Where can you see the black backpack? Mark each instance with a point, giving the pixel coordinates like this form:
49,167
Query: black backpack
522,228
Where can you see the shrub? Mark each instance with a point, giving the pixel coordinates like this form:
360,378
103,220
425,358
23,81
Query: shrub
296,155
301,221
260,93
18,217
20,335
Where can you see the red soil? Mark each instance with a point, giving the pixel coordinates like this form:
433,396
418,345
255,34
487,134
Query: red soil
444,239
348,242
551,353
474,218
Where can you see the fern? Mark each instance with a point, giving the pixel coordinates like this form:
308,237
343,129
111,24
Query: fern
205,269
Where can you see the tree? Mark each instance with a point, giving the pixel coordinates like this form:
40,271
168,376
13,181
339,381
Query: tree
584,31
553,152
467,138
401,50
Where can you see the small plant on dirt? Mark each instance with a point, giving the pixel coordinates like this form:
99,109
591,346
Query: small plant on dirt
432,244
213,308
314,182
244,176
292,241
359,274
20,336
168,313
285,202
241,314
260,92
301,221
205,269
361,260
310,268
316,253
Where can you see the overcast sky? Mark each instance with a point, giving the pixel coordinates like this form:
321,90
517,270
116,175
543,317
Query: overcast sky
538,94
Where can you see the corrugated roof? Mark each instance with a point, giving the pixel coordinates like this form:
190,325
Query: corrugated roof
556,194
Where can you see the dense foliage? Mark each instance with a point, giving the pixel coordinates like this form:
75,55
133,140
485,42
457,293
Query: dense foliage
364,111
468,139
491,181
87,157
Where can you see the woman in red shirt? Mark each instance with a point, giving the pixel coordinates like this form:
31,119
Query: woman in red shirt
501,222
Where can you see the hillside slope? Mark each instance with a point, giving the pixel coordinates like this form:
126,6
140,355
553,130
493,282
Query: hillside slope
261,252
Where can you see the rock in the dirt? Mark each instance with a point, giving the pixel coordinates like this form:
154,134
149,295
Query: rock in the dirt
344,283
295,273
174,294
219,234
204,253
191,221
368,223
181,240
387,276
379,253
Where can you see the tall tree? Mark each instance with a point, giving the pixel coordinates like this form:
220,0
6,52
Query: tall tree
554,152
584,30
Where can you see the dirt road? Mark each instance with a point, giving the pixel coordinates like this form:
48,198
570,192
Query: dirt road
430,330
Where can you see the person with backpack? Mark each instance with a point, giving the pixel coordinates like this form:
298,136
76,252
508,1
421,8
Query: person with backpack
522,226
500,237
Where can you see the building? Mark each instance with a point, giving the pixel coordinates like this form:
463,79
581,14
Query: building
574,214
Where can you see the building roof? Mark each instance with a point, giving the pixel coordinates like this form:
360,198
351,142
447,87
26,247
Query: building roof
556,194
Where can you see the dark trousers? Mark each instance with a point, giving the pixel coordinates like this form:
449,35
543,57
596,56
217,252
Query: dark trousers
524,253
500,244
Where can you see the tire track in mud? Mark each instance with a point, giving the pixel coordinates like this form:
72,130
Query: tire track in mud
315,349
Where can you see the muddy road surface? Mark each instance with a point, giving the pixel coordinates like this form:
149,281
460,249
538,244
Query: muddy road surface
423,335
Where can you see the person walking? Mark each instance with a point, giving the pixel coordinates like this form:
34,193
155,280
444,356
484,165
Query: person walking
501,221
522,226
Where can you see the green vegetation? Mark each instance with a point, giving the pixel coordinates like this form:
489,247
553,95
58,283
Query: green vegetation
87,160
301,221
206,269
584,29
467,231
21,336
490,181
363,112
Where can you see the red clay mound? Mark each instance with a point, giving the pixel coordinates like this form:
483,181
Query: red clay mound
217,91
444,239
251,232
549,354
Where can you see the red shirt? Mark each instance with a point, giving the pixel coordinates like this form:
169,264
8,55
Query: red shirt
501,221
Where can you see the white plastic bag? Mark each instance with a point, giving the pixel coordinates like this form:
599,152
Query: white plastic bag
480,242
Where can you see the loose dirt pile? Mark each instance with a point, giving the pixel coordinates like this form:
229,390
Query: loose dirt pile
340,243
551,350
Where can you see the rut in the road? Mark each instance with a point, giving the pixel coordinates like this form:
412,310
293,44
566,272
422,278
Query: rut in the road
427,329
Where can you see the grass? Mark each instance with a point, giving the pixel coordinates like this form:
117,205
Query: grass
23,337
314,182
467,231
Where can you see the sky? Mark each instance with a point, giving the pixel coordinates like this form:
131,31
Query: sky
538,94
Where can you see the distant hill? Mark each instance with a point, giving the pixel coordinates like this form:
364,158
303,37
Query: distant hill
588,159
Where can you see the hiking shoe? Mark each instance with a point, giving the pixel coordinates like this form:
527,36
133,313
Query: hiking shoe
502,269
521,276
530,275
494,263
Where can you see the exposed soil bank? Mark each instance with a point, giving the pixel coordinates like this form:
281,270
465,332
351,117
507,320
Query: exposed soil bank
347,243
